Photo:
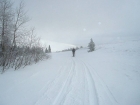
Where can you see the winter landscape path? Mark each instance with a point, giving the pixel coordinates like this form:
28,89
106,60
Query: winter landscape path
104,77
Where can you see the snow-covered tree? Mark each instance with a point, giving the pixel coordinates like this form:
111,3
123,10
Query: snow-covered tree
91,46
49,49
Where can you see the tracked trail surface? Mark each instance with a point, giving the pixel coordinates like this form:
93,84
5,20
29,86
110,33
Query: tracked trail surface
77,83
73,82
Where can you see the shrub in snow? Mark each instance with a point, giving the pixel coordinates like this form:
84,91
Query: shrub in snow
91,46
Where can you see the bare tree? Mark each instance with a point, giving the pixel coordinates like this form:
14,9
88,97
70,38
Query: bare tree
19,46
5,31
19,21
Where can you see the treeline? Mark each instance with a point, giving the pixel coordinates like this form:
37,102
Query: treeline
19,46
48,50
69,49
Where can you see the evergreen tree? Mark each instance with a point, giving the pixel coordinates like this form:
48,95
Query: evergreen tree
49,49
91,46
46,50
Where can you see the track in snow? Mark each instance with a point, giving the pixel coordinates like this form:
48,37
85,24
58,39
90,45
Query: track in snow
101,89
76,84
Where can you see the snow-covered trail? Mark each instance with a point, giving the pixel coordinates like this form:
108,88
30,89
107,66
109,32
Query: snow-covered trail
75,84
104,77
72,84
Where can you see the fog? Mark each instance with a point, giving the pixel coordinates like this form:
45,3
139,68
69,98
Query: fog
73,21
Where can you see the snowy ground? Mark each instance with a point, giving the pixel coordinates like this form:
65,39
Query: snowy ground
108,76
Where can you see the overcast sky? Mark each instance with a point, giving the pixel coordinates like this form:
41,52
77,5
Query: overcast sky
67,21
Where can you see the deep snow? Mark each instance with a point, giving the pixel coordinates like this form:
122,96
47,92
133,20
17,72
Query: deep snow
108,76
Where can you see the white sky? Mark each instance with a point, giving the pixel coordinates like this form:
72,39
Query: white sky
72,21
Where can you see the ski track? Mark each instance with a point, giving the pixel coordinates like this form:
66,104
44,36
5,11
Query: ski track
52,85
51,82
92,92
73,72
66,88
105,88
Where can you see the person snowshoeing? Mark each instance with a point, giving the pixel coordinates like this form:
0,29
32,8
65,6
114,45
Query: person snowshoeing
73,52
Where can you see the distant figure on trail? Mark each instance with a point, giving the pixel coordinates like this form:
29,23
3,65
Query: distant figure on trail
73,52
